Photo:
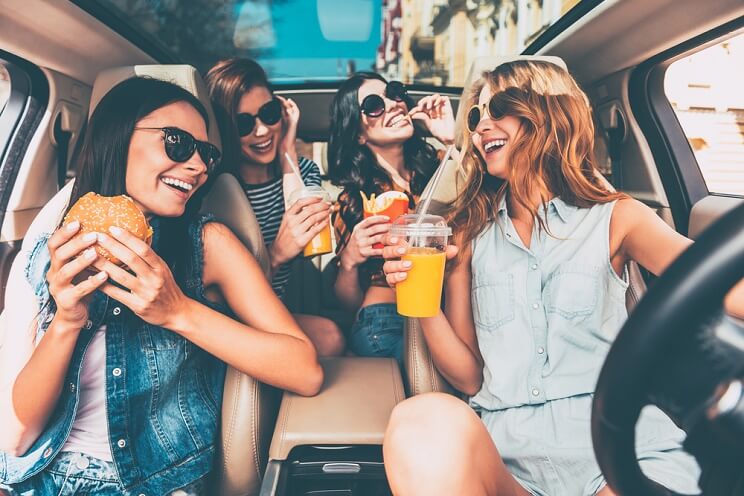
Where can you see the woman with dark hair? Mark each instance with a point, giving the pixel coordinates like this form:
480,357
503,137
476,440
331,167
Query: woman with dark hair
259,131
111,377
374,148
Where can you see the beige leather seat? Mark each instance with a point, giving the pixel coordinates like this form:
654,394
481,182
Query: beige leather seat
419,374
249,408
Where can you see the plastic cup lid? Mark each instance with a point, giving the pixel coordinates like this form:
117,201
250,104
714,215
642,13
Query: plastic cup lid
420,225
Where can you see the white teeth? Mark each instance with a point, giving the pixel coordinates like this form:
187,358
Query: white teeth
395,120
265,144
175,182
491,145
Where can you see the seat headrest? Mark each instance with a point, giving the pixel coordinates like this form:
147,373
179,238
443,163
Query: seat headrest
183,75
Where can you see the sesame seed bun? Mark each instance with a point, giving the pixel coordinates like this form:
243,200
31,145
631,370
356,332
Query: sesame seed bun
97,213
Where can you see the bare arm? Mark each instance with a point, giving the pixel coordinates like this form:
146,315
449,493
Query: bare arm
31,377
450,335
270,345
639,234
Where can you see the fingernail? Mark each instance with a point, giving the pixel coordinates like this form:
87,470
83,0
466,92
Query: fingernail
400,251
101,276
407,264
101,237
90,254
114,230
393,241
91,236
402,276
73,226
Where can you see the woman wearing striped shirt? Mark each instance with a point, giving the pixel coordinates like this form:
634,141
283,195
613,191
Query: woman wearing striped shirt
262,133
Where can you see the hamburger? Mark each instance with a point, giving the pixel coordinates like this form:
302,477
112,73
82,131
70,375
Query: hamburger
97,213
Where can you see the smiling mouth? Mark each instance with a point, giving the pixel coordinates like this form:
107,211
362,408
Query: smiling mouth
398,121
263,147
178,185
494,145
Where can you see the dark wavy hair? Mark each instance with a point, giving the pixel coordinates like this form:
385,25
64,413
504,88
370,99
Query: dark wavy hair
102,157
353,166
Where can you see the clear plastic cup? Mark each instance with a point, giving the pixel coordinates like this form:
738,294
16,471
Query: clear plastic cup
321,243
420,294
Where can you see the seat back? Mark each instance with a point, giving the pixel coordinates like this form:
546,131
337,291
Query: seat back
249,408
420,374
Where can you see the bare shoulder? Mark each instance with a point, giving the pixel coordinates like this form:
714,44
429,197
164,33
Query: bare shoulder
630,213
222,249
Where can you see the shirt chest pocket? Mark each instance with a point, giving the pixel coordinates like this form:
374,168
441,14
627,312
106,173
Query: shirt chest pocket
493,300
572,291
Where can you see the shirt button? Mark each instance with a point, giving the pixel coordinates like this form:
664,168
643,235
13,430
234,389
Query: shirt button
72,387
535,306
89,325
540,350
535,392
82,463
116,372
534,267
47,452
116,311
121,443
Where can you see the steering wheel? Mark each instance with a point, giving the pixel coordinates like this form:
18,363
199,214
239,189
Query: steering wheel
681,310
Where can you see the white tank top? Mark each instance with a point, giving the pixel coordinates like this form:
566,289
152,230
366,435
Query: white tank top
89,433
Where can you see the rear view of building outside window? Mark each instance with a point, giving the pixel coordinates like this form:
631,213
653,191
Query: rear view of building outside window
705,90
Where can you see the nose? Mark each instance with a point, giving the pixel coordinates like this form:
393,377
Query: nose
261,129
196,165
484,124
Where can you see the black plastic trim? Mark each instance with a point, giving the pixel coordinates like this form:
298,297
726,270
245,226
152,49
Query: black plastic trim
569,18
117,22
678,169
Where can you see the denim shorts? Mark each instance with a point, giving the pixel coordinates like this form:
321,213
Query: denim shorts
78,473
377,332
548,448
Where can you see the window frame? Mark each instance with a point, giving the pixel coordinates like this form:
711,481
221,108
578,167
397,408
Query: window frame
675,159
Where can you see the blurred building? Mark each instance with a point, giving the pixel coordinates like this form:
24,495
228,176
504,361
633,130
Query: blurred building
438,39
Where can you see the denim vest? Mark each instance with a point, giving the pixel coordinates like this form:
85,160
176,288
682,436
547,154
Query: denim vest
545,316
163,393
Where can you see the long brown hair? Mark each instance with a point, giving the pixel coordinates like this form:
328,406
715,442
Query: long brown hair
552,156
227,81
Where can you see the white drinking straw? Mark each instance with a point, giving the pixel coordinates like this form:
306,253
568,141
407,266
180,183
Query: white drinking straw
294,168
434,182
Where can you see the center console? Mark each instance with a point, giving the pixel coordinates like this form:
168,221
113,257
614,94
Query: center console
331,444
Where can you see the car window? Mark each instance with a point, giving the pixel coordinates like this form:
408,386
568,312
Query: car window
4,88
705,92
299,41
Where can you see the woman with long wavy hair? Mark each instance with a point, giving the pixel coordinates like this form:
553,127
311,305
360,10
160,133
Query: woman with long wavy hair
533,301
373,148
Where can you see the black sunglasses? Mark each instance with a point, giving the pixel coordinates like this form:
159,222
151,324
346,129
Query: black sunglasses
180,146
499,106
270,113
374,105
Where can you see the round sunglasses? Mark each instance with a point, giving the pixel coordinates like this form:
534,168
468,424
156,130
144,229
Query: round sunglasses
374,105
270,113
498,106
181,145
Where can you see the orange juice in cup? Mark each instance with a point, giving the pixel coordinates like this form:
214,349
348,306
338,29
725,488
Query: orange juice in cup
420,294
321,243
390,203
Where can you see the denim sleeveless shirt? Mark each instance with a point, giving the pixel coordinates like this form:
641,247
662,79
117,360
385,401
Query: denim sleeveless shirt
163,393
545,316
